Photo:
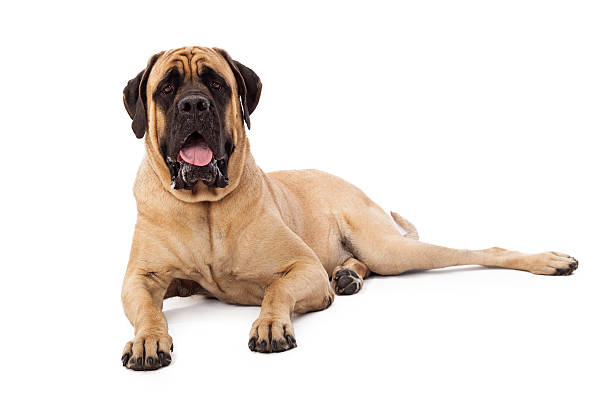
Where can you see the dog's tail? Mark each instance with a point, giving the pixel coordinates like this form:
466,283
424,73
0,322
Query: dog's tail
411,231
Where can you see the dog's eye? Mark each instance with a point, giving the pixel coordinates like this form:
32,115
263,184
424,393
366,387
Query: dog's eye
168,89
215,85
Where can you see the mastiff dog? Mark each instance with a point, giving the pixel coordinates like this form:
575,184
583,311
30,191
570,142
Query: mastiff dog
211,222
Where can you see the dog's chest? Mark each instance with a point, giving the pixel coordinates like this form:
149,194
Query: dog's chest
207,242
207,256
204,246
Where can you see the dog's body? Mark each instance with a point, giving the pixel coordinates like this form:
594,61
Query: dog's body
211,222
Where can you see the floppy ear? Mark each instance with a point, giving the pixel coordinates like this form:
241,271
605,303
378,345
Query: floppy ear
249,85
135,98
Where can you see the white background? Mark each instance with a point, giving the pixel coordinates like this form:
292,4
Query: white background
484,123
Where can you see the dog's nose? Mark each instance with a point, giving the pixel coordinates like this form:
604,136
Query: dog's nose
193,104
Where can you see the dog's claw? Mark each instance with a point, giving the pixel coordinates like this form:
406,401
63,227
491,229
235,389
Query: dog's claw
291,341
125,359
569,270
164,359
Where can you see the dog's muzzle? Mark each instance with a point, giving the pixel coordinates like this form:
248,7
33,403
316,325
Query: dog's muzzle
198,151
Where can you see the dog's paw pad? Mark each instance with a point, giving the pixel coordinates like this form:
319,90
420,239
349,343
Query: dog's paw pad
346,282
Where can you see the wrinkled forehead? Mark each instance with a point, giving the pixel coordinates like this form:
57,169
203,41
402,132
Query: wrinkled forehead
190,61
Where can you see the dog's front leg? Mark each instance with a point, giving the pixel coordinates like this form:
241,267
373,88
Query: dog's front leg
142,296
302,288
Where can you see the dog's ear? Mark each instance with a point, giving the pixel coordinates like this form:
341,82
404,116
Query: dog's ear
249,86
135,98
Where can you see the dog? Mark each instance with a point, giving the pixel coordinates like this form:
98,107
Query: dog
211,222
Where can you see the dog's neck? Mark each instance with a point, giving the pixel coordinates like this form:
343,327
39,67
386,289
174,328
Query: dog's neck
241,164
156,201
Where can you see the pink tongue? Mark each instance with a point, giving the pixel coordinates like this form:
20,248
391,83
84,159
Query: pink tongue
196,153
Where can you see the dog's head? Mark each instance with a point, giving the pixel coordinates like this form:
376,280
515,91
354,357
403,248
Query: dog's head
192,103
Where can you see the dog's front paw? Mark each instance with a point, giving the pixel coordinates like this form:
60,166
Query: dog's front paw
270,334
147,352
551,263
346,282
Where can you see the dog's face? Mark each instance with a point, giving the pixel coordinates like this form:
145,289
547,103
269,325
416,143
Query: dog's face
198,97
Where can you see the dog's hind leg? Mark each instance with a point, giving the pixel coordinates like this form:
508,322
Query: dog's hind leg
347,279
373,239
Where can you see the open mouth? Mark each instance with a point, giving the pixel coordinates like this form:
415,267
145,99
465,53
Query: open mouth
196,162
195,151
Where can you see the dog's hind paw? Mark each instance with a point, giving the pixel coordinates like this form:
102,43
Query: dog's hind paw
554,263
346,282
548,263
